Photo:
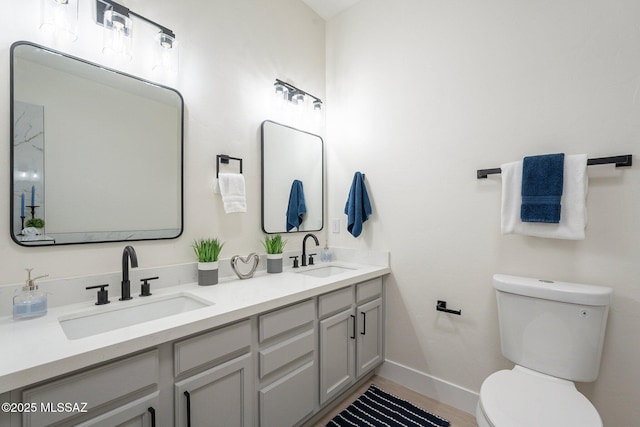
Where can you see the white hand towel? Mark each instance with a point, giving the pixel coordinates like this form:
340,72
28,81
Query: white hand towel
233,192
573,219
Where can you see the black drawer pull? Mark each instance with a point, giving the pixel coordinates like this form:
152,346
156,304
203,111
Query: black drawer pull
188,396
153,416
353,336
364,324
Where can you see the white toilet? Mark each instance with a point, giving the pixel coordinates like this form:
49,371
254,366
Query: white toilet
553,332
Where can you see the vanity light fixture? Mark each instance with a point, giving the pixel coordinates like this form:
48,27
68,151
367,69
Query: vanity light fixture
281,91
296,96
118,28
166,51
60,18
118,25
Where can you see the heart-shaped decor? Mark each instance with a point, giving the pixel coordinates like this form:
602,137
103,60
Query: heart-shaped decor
247,261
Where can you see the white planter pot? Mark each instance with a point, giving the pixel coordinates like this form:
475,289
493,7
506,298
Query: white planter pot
274,263
207,273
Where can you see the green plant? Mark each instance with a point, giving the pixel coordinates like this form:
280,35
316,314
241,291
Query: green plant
274,244
35,222
207,250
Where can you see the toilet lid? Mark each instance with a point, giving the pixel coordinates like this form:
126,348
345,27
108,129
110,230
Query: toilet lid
525,398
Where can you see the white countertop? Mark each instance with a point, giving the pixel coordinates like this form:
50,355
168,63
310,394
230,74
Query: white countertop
37,349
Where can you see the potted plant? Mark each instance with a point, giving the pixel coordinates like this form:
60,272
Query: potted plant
274,246
207,251
37,223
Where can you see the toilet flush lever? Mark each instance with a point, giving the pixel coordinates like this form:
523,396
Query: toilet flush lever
442,306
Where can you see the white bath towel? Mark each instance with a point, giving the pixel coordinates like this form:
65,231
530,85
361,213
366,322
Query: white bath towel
233,193
573,219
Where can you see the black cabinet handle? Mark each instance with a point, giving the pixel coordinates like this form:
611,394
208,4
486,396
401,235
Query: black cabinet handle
353,336
188,396
153,416
364,324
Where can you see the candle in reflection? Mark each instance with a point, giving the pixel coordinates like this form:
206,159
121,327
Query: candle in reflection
22,205
33,195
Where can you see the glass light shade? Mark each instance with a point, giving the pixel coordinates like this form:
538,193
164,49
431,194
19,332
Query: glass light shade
317,105
166,53
60,18
298,99
117,33
281,92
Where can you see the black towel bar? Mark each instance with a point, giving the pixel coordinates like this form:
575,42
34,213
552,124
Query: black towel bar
619,161
442,306
223,158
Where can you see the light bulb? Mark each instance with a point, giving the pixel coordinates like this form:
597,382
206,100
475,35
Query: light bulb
166,41
118,31
166,53
59,18
281,91
298,99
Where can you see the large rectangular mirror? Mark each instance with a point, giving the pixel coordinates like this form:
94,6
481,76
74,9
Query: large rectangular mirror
292,179
95,153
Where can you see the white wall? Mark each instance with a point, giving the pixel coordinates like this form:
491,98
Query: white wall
231,53
421,93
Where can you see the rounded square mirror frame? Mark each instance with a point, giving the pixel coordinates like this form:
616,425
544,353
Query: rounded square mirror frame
292,167
108,146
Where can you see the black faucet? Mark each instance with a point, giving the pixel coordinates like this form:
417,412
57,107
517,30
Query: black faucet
304,247
125,285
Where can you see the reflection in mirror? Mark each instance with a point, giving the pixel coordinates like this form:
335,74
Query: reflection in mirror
292,179
96,154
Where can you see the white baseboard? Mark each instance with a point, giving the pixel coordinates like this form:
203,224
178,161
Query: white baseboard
435,388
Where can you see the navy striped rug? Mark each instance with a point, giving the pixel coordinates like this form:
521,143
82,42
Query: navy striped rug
378,408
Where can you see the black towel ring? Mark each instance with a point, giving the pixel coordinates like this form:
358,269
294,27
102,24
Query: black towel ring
223,158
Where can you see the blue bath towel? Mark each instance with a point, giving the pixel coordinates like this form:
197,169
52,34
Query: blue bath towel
297,208
358,207
542,181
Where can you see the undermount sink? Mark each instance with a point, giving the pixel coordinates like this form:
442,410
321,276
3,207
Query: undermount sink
326,271
84,324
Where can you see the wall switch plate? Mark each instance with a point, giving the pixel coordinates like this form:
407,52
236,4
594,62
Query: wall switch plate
335,225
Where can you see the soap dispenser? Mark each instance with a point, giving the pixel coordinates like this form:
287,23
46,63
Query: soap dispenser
326,255
31,302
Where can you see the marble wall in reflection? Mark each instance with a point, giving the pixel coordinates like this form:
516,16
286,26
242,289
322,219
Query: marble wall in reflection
28,155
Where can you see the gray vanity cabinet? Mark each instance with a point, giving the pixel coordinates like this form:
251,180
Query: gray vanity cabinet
139,413
337,350
222,394
120,392
214,378
369,336
274,369
351,335
287,379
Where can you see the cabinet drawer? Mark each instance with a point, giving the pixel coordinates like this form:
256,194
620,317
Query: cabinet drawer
369,290
335,301
277,356
286,319
290,399
96,387
141,412
212,346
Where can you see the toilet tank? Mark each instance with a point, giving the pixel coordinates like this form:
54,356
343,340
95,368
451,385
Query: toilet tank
556,328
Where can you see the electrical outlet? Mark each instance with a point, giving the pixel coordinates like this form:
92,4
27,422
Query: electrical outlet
335,225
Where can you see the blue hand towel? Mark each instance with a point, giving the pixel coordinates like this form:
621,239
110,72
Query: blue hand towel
358,207
297,208
542,181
